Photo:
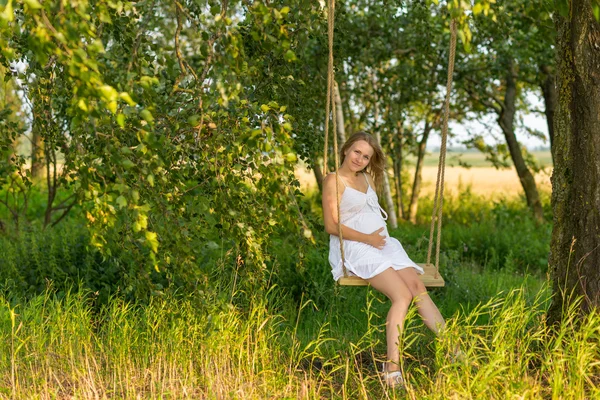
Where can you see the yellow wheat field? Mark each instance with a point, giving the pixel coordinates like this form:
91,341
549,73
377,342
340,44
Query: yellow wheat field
486,181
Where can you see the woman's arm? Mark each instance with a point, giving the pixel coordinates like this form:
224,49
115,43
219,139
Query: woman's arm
330,216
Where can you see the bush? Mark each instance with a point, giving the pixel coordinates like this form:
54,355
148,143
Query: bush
61,257
495,234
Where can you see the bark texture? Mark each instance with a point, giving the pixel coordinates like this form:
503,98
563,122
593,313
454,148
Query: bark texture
316,167
550,99
418,178
339,115
397,160
387,190
506,120
387,193
575,247
37,152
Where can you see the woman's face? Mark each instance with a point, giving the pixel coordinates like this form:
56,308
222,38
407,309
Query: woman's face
358,156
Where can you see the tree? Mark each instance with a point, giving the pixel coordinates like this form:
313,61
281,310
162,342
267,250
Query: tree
12,178
176,164
500,69
575,245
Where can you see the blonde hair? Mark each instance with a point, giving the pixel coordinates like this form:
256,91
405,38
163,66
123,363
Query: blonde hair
376,165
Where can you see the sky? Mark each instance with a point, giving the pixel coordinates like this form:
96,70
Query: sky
535,121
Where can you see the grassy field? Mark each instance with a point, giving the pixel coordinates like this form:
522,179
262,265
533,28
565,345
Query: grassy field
58,346
301,336
477,159
481,177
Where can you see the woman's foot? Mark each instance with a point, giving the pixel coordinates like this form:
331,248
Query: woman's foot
457,356
392,379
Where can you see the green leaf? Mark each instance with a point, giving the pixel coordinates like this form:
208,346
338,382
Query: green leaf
290,56
291,157
82,105
7,13
33,4
108,92
127,98
127,163
596,10
150,179
147,116
140,223
120,187
121,202
461,36
121,120
152,241
112,106
194,120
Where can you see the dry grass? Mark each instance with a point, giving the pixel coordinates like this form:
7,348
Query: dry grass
58,348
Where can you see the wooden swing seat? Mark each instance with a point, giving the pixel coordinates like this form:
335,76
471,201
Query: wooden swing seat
431,278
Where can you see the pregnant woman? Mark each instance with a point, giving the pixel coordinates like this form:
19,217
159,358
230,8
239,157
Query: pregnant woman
369,251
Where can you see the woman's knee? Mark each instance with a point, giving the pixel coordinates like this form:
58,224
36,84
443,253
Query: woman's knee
416,287
412,281
402,298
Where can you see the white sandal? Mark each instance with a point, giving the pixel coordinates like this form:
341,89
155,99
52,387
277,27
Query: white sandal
392,379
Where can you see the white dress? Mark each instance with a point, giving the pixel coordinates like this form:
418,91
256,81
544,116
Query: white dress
362,212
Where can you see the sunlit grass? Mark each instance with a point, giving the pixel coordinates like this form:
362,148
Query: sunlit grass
60,347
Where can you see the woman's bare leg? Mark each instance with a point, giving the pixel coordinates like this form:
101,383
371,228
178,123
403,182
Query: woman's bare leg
426,307
390,284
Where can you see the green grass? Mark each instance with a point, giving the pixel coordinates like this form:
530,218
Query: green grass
59,346
304,337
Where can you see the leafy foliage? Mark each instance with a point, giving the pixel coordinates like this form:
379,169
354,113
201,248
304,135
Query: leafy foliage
164,145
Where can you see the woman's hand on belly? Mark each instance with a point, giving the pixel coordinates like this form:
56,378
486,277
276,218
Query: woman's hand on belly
377,240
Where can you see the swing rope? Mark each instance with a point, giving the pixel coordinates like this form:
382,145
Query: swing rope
330,107
330,113
439,187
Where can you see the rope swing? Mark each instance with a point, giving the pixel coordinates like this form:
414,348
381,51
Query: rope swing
431,277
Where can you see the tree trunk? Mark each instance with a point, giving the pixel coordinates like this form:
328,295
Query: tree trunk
339,115
506,121
397,160
37,153
9,100
316,167
575,246
387,191
414,197
550,101
387,195
37,128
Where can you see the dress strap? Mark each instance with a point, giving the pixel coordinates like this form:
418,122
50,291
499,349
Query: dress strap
368,184
343,181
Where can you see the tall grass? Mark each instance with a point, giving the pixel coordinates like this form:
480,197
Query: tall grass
58,347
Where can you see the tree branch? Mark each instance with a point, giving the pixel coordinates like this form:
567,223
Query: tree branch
498,107
64,214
